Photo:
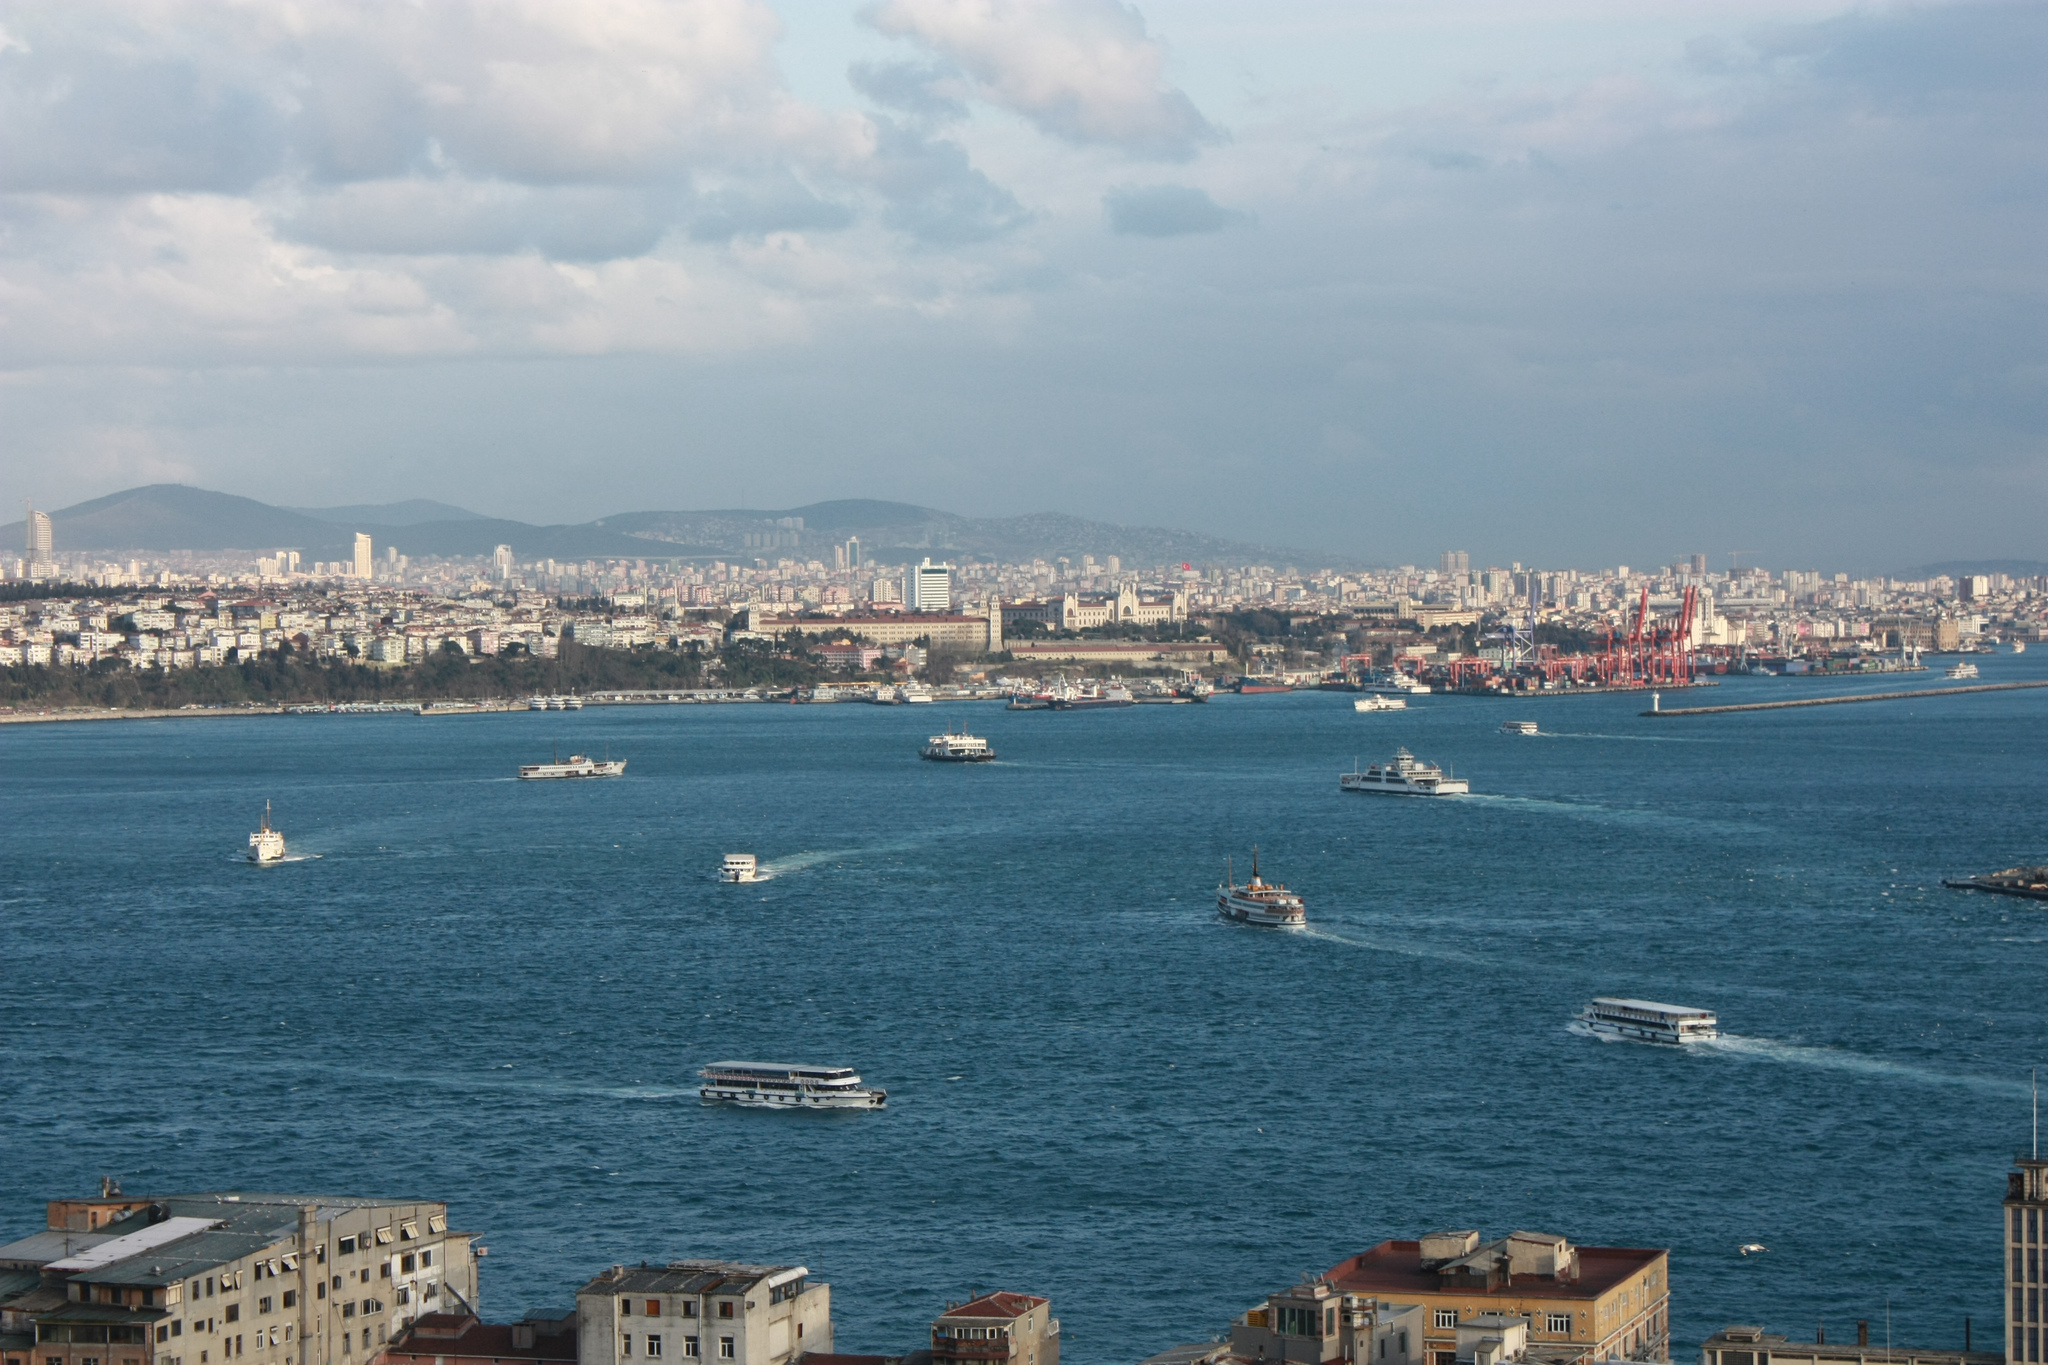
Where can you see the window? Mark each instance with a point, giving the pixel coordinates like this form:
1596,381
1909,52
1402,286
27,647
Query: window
178,1328
163,1332
291,1298
1559,1322
344,1343
266,1304
438,1223
725,1309
625,1307
234,1313
383,1236
690,1347
345,1247
725,1348
348,1310
410,1231
653,1346
1447,1317
426,1257
626,1346
409,1264
1404,1341
689,1308
320,1254
384,1269
654,1308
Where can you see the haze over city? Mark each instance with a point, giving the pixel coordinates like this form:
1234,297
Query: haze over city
1572,285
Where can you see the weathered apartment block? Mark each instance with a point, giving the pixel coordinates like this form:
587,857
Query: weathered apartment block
690,1311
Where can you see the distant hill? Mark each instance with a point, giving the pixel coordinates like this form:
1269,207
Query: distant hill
411,512
1963,568
162,517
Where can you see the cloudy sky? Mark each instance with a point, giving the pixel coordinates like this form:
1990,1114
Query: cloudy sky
1563,282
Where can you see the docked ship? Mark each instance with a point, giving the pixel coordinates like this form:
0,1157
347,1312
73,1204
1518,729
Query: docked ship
266,845
778,1085
1647,1021
739,867
1267,905
952,748
1090,696
579,765
1519,727
1375,702
916,694
1250,686
1403,775
536,703
1392,682
1964,669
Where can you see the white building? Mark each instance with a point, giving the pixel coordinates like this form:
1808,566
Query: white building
690,1311
929,587
363,555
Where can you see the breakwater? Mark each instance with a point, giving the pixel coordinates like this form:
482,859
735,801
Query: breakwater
1843,701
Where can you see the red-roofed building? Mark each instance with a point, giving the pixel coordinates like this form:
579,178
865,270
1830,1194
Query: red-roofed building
997,1329
1613,1302
459,1339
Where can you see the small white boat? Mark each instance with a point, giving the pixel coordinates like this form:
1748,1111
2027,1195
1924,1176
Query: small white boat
2019,646
1264,904
952,748
1964,669
266,845
1403,775
1647,1021
779,1085
579,765
1518,727
739,867
1374,701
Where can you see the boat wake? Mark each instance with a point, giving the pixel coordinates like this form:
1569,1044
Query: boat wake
1400,949
797,862
1834,1059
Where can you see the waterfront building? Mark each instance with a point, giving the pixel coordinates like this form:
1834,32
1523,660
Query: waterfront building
204,1279
1612,1301
978,634
363,555
929,587
997,1329
1313,1323
1754,1346
458,1338
2026,1231
694,1310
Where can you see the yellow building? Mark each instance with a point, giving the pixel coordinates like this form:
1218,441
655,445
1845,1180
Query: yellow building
1613,1302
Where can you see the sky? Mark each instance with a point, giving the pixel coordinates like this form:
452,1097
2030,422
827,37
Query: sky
1568,283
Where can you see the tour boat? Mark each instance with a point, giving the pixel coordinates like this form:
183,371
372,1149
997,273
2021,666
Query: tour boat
1393,682
779,1085
962,748
1964,669
579,765
536,703
266,845
1403,775
1518,727
739,867
1646,1021
1376,702
1267,905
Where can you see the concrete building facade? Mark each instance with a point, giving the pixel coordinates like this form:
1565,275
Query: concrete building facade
997,1329
1313,1323
2026,1256
700,1310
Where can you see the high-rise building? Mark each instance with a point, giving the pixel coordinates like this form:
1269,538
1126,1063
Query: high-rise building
363,555
2026,1228
929,587
1456,561
853,552
501,560
42,546
839,559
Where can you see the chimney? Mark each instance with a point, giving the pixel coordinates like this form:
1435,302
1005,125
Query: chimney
1863,1332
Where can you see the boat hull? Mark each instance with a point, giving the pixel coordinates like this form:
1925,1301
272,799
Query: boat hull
759,1099
986,756
1092,703
1641,1033
1259,916
1450,786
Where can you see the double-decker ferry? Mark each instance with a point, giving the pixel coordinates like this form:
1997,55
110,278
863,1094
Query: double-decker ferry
1268,905
1392,682
1403,775
780,1085
266,845
579,765
739,867
1519,727
952,748
1374,701
1647,1021
1962,670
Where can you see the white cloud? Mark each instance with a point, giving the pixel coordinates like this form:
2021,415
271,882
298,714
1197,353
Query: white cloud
1083,70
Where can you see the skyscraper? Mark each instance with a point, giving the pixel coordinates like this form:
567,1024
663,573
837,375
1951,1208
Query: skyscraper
1456,561
2026,1219
501,559
42,546
363,555
929,587
853,552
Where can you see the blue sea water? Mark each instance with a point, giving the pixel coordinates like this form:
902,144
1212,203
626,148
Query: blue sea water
497,993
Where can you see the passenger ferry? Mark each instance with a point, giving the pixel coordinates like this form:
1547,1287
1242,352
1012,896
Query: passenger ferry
952,748
266,845
1646,1021
1393,682
739,867
1403,775
1267,905
916,694
1376,702
1519,727
1965,669
579,765
536,703
778,1085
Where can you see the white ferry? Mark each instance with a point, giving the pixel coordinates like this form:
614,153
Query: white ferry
536,703
1965,669
266,845
572,703
579,765
1394,683
1374,701
739,867
952,748
1403,775
915,694
1646,1021
1267,905
777,1085
1519,727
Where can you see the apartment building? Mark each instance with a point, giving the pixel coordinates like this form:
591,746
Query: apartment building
997,1329
205,1279
1605,1303
1313,1323
687,1311
2026,1232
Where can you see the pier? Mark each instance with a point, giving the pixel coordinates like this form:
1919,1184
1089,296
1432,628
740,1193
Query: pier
1843,701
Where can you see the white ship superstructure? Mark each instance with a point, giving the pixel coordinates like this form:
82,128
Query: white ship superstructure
1519,727
739,867
579,765
961,748
1403,775
780,1085
1648,1021
1965,669
1393,682
1267,905
1374,701
266,845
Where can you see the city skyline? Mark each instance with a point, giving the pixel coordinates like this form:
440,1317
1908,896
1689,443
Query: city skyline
1745,275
